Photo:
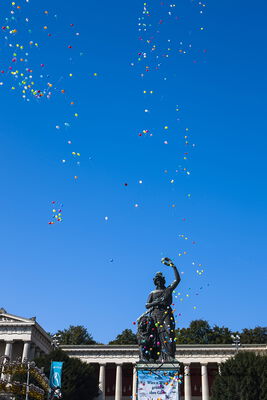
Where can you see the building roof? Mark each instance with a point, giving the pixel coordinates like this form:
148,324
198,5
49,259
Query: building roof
8,320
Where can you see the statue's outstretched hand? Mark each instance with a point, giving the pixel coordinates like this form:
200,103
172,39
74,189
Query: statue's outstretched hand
167,261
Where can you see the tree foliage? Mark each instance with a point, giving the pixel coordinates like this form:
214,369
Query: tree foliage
243,377
200,332
79,380
126,337
257,335
75,335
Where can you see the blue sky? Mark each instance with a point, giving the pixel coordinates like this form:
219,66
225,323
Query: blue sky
96,272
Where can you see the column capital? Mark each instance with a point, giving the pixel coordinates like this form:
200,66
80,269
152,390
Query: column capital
187,382
187,369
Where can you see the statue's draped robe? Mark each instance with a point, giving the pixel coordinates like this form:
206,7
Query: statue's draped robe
163,317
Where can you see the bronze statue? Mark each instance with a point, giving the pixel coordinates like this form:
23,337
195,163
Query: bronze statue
156,327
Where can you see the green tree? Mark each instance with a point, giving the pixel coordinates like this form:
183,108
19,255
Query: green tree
243,377
220,335
200,332
79,380
75,335
126,337
257,335
263,386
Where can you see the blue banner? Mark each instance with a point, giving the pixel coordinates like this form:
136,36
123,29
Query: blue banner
55,374
158,385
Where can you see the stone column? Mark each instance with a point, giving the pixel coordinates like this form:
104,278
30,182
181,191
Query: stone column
219,369
102,382
8,353
187,383
118,385
8,349
26,351
134,387
204,382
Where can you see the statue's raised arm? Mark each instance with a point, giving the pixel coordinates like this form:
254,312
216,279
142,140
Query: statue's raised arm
167,261
177,280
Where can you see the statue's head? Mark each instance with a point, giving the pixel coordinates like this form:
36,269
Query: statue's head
159,280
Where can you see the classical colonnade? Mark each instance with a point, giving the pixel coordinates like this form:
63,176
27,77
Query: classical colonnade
204,382
117,374
186,388
118,382
22,338
29,350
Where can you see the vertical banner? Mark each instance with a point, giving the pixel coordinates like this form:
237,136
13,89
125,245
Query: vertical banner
157,385
55,374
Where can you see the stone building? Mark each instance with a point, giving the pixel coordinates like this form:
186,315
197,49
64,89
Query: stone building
23,338
117,375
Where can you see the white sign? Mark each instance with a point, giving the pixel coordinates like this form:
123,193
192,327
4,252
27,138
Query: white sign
157,385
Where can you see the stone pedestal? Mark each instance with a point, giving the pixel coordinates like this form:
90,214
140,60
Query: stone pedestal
158,381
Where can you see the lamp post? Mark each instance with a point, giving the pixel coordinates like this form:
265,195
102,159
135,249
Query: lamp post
56,340
27,381
236,342
29,365
55,393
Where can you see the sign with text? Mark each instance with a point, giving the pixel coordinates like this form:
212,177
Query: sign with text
157,385
55,374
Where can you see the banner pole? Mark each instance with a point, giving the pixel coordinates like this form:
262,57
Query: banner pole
28,381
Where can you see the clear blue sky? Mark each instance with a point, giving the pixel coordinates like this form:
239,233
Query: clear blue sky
96,272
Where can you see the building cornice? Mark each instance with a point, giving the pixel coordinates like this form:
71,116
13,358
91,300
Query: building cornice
184,353
178,347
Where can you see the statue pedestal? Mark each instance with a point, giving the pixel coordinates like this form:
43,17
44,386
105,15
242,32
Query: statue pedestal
158,381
